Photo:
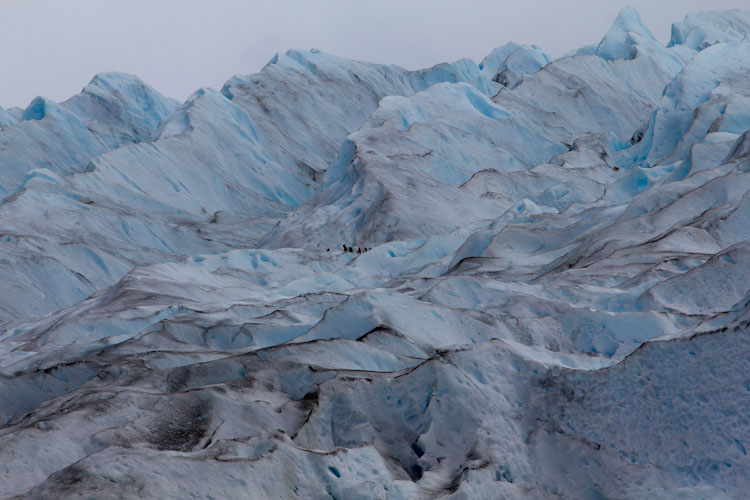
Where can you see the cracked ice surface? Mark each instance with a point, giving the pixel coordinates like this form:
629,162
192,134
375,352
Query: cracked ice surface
554,303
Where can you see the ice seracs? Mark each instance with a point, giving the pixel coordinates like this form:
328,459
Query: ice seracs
553,302
112,110
6,119
703,29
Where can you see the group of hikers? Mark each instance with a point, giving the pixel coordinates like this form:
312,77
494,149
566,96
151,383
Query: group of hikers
351,249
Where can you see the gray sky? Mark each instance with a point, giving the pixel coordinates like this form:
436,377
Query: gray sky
54,47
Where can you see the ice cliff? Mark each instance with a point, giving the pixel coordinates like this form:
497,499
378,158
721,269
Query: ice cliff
555,300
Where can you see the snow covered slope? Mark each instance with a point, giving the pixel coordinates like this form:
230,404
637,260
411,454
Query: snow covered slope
553,301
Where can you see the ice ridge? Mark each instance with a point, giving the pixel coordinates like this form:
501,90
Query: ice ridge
523,278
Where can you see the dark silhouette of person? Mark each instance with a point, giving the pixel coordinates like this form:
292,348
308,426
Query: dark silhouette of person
344,247
359,250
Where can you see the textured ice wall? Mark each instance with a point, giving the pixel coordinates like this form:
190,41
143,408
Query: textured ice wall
546,295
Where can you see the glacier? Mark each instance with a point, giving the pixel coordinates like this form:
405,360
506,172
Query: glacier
547,293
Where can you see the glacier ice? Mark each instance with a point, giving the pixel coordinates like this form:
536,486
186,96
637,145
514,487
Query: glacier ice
546,294
703,29
6,118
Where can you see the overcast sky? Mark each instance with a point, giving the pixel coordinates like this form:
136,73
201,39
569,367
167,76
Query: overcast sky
54,47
